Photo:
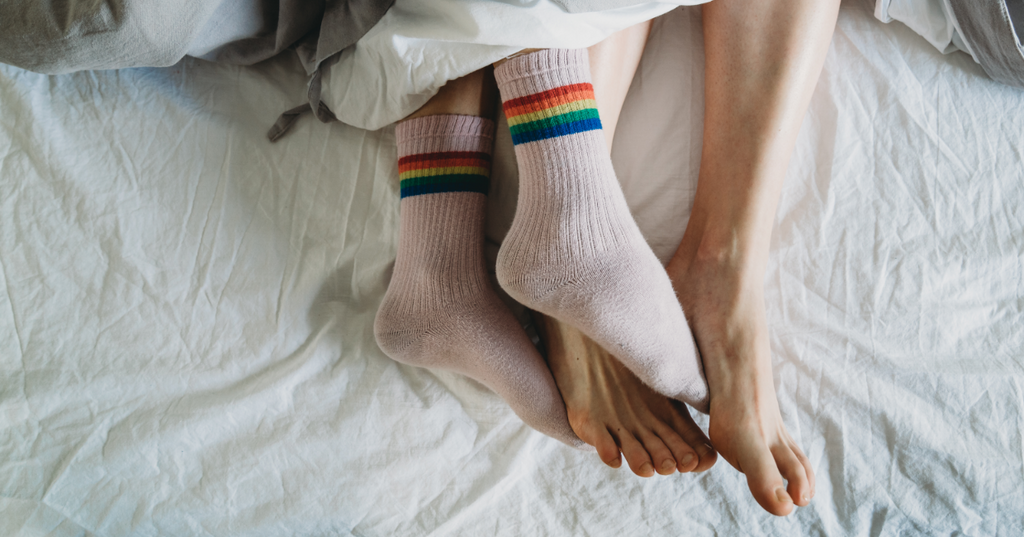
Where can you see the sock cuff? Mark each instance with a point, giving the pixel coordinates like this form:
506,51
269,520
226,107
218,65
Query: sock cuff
548,94
447,132
570,65
444,153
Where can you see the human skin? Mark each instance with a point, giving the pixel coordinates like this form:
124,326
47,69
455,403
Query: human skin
608,406
762,61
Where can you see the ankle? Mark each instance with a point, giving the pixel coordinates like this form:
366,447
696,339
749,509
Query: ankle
721,250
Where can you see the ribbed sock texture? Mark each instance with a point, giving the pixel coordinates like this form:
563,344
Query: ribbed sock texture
574,251
440,310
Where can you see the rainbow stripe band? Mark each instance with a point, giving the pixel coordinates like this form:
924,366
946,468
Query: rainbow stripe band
552,113
448,171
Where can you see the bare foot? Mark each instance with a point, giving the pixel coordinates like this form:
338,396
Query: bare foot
610,409
724,302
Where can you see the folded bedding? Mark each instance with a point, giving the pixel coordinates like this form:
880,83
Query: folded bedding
186,310
406,49
988,30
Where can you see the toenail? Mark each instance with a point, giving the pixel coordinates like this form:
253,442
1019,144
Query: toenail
646,468
667,465
782,495
686,460
806,498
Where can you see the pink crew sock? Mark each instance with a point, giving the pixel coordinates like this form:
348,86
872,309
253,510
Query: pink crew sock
574,251
440,310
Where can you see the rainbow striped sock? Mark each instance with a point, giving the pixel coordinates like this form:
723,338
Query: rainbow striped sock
556,112
446,171
441,310
574,251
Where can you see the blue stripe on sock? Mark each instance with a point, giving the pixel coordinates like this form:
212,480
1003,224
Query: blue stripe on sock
479,184
564,129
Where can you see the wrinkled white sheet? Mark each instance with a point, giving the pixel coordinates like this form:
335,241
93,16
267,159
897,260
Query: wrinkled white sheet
933,19
185,315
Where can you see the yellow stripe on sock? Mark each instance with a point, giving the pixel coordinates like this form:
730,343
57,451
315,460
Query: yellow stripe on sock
581,104
450,170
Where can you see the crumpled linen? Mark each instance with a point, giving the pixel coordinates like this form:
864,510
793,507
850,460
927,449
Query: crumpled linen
185,312
418,46
74,35
988,30
934,20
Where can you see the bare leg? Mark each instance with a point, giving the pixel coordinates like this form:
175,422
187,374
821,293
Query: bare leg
471,95
763,61
608,406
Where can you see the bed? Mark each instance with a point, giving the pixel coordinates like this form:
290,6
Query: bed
186,312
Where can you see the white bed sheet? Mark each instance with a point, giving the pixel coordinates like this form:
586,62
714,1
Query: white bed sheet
185,317
418,46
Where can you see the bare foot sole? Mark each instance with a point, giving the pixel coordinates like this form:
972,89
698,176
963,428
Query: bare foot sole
610,409
725,307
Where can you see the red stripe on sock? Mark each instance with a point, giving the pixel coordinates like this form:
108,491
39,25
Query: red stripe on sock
426,157
560,93
444,163
511,112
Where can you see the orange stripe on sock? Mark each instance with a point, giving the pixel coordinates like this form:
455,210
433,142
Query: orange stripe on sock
444,163
545,99
444,155
549,94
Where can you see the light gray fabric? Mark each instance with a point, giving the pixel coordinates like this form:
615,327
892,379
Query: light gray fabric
244,32
1016,10
989,29
588,6
585,6
62,37
75,35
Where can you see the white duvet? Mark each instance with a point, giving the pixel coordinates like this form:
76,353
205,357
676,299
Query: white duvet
185,312
418,46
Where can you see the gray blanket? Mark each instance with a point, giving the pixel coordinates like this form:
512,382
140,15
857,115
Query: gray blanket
62,36
992,29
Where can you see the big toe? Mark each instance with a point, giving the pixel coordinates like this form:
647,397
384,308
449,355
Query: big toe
596,434
792,468
765,481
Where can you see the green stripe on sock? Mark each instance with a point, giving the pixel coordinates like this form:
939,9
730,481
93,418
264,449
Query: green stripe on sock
561,119
442,179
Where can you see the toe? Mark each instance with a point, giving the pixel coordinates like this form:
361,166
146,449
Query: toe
685,456
807,467
694,437
707,457
634,452
607,450
764,480
661,456
798,486
595,433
